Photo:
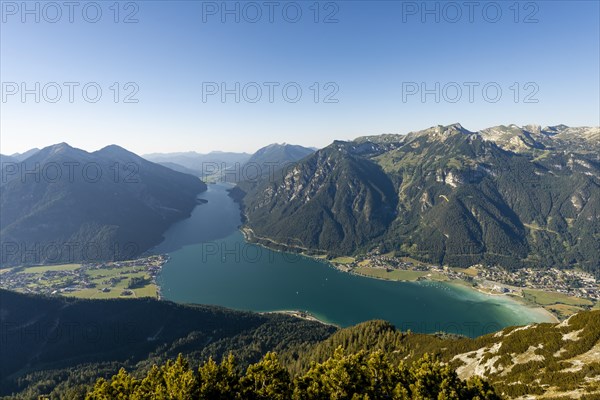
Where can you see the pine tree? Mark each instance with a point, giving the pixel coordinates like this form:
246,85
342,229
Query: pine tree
266,380
218,381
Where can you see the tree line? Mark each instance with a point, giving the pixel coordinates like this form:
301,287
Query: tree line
352,376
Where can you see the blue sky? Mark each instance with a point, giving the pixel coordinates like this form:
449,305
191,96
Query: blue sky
371,56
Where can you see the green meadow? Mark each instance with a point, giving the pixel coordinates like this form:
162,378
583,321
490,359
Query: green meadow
397,275
74,280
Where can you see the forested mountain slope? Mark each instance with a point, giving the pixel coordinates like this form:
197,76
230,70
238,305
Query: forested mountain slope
444,195
59,344
63,204
552,359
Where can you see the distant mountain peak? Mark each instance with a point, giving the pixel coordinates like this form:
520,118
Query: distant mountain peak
456,128
281,147
114,149
455,125
533,128
62,146
276,146
441,132
532,137
552,130
279,154
112,146
58,149
215,152
25,154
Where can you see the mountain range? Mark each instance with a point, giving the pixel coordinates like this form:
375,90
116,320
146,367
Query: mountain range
202,165
56,209
233,167
278,155
507,195
63,204
18,157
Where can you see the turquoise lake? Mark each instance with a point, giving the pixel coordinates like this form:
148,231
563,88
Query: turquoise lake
211,263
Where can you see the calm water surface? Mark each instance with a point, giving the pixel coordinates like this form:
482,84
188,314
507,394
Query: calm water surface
212,264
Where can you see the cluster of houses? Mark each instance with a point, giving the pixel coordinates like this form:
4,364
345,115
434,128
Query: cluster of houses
68,280
571,282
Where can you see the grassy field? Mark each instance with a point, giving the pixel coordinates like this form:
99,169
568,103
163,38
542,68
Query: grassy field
149,290
343,260
563,311
107,282
49,268
547,298
559,304
117,280
397,275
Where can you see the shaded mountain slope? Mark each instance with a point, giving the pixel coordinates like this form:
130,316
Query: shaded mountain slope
66,205
330,200
82,339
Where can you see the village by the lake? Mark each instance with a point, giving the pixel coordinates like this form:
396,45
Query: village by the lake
131,278
563,292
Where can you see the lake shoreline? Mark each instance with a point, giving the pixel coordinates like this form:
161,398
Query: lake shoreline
540,311
216,260
535,309
305,315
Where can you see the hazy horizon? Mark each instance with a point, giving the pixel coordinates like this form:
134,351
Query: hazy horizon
252,151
